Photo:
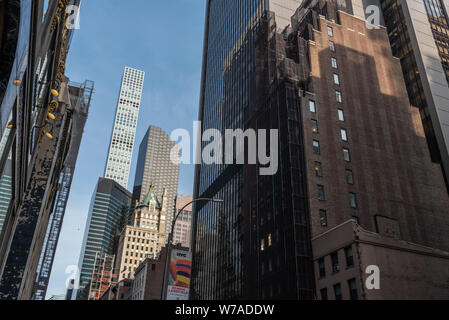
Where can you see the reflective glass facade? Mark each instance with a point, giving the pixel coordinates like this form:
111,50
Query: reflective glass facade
8,91
439,23
256,244
229,60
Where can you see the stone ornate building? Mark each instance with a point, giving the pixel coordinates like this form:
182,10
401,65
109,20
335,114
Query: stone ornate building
145,237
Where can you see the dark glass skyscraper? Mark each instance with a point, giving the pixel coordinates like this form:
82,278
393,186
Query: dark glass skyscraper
106,218
221,232
231,30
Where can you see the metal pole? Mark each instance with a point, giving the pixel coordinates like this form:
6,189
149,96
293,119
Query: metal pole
170,240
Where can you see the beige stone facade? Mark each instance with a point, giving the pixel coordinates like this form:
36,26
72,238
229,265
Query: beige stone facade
144,238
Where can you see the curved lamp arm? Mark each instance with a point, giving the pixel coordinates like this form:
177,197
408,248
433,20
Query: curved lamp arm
170,240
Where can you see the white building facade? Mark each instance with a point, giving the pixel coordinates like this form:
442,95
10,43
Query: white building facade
121,146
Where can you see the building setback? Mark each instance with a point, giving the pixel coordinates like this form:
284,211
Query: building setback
121,148
351,148
155,169
106,218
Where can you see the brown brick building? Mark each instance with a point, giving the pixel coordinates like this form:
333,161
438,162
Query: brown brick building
352,148
367,161
149,276
373,162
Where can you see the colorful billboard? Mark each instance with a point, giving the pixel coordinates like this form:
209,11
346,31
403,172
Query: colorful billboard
179,275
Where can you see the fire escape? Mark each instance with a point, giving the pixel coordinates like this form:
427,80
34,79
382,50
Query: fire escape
103,276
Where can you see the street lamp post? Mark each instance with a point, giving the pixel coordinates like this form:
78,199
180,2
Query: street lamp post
170,240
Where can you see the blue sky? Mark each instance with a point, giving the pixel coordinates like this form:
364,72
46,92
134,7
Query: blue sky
162,38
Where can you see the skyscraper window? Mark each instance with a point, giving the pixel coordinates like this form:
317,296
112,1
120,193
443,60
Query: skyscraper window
349,176
312,106
353,200
314,126
341,115
321,193
316,147
336,79
334,63
323,218
337,292
338,96
352,284
322,268
349,257
318,169
344,135
347,155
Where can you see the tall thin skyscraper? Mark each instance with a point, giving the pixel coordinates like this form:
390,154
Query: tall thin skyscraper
155,169
111,200
121,147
